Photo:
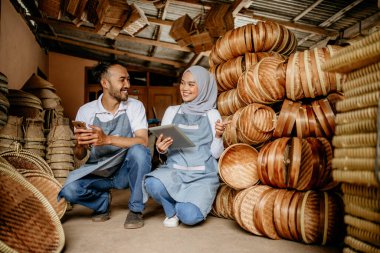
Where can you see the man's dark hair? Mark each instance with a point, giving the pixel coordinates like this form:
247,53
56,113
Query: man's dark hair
102,68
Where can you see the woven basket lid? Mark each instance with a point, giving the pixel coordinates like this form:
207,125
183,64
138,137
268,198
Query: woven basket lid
63,150
19,94
37,82
361,190
55,158
372,204
24,160
61,166
25,214
4,100
50,103
359,245
362,224
44,93
60,143
238,166
49,187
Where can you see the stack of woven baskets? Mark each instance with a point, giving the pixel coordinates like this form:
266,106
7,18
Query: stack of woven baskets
60,149
4,103
356,141
35,140
29,211
11,133
299,160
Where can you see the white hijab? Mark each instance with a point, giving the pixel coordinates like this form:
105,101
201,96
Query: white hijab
207,92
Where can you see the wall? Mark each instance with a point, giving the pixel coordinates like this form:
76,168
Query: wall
20,54
67,73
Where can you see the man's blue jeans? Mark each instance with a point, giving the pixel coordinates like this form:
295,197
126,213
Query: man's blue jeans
187,213
93,191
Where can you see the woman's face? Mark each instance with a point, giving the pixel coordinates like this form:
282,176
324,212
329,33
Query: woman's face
188,87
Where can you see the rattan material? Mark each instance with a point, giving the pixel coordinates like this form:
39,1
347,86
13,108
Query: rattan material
50,188
60,143
354,163
369,113
360,246
56,158
362,212
362,224
61,132
358,102
355,177
363,71
355,57
26,160
28,221
238,166
373,204
364,235
367,88
348,250
36,82
355,140
365,126
371,78
360,190
63,150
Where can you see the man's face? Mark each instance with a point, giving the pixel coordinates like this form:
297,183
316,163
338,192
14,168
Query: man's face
117,82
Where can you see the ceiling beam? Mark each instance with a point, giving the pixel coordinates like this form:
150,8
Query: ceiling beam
238,5
306,11
290,25
157,21
362,26
114,51
332,19
120,37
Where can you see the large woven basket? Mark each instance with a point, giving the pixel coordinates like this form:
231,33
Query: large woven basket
28,221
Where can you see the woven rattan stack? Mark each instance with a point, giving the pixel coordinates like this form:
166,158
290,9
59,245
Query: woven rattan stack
356,141
60,149
11,133
297,163
4,103
29,211
35,140
51,102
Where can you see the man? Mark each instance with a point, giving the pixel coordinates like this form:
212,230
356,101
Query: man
116,138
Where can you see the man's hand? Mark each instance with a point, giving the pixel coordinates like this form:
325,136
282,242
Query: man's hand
94,136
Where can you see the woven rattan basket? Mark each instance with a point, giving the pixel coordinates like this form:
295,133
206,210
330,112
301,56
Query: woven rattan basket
362,212
364,235
369,113
358,102
28,221
373,204
360,190
362,224
363,71
355,177
359,245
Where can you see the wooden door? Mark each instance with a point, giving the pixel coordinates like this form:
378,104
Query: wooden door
161,98
139,93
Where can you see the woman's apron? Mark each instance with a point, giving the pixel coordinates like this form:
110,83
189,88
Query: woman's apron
105,160
191,174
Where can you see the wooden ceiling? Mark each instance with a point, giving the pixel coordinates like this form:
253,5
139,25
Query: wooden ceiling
314,22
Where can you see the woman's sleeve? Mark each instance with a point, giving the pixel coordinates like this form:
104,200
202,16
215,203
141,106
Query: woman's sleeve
169,115
217,143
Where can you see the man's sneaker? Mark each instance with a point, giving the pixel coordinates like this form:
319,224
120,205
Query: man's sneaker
171,222
101,217
134,220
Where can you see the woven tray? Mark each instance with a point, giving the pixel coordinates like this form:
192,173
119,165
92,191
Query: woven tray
355,140
29,223
50,188
373,204
355,177
359,245
364,235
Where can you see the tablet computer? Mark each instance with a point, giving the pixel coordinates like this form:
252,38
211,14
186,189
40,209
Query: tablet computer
180,140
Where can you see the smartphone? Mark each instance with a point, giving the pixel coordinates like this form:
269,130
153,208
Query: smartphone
79,124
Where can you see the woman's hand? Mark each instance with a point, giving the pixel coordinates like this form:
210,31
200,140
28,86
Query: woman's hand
220,127
163,144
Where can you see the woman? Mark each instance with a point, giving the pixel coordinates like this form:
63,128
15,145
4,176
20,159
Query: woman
186,185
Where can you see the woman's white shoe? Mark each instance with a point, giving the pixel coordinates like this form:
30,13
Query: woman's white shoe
171,222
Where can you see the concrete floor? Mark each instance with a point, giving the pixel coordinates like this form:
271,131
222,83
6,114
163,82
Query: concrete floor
213,235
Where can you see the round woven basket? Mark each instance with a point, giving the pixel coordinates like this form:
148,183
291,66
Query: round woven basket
373,204
358,164
49,187
36,82
363,71
229,102
362,224
29,223
355,140
238,166
364,126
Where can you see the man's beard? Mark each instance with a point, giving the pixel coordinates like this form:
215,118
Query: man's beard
116,94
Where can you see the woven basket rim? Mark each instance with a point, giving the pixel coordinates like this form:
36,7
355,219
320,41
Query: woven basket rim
16,177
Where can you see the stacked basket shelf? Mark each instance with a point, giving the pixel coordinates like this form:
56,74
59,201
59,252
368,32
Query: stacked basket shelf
356,141
251,85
